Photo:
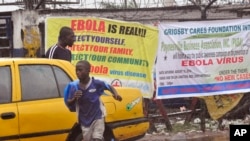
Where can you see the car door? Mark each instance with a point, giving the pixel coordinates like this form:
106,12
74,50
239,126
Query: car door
8,107
42,113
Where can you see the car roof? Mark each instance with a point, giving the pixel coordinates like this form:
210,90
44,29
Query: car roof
30,59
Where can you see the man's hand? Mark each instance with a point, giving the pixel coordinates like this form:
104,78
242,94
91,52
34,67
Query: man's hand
117,97
78,94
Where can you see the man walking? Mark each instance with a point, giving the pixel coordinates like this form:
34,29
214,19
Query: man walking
59,50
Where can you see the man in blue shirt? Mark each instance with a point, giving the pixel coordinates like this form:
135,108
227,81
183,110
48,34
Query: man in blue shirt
83,95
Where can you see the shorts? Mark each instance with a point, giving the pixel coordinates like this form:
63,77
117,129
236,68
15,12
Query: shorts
95,131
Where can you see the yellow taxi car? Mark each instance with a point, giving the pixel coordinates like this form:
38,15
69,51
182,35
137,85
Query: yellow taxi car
32,106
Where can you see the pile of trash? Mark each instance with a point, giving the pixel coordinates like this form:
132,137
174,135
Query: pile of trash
181,129
192,132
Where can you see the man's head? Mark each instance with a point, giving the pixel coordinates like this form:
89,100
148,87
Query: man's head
83,69
66,36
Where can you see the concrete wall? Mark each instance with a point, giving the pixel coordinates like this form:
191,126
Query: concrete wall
26,35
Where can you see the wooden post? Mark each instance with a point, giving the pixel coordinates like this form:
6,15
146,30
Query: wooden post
164,114
203,114
192,108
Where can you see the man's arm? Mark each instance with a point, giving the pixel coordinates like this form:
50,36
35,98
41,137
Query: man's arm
68,98
77,94
115,93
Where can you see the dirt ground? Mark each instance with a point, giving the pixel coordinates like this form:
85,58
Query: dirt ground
192,136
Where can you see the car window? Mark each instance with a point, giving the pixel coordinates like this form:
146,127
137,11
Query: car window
5,84
62,78
38,82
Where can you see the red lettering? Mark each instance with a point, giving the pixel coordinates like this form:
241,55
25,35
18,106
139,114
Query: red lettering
99,69
73,24
229,60
77,47
242,85
217,88
88,25
186,90
241,59
229,77
80,25
196,62
230,86
243,76
170,91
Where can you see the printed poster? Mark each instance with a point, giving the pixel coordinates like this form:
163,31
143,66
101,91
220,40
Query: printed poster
203,58
121,53
219,105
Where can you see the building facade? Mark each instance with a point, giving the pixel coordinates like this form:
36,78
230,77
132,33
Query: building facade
24,30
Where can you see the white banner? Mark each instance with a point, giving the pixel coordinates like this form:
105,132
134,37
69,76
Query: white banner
203,58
